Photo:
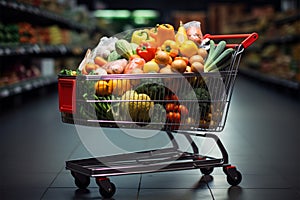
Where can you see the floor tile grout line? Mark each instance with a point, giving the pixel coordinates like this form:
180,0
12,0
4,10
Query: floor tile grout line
76,147
139,187
255,188
44,193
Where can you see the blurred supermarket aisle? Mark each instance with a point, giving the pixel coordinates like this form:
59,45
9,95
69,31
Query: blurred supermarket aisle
261,136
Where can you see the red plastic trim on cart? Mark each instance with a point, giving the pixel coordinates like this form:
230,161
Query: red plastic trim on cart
66,90
249,38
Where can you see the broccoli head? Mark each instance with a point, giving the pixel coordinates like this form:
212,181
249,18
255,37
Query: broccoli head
154,88
204,100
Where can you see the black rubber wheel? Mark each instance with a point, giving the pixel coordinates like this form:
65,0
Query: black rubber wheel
235,179
108,194
81,181
206,170
82,184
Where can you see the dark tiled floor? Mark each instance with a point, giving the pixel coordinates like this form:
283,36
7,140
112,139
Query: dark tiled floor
261,136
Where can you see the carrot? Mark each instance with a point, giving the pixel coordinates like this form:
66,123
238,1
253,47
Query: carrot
100,61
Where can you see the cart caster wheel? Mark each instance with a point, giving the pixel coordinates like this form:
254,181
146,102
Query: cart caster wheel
108,193
81,181
206,170
107,189
234,177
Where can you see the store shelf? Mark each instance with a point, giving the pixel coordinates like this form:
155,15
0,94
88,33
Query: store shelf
282,40
287,19
274,60
37,49
76,34
26,12
26,85
270,79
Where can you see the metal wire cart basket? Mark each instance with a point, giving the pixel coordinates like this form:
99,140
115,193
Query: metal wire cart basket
148,102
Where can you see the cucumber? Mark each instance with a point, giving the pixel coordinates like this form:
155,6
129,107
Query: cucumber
221,59
211,51
215,54
223,65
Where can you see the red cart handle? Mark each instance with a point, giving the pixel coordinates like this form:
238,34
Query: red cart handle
250,38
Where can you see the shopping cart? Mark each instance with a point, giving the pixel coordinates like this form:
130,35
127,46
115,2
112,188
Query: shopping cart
201,99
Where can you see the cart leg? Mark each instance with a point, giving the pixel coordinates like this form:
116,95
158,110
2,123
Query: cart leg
192,143
173,140
106,188
220,145
208,135
204,170
234,177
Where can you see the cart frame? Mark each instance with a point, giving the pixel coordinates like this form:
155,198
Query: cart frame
157,160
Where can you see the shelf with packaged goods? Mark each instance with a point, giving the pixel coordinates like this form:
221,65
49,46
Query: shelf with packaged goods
15,10
26,86
36,52
254,20
275,58
74,38
275,62
41,50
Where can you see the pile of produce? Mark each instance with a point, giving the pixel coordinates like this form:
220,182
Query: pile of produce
157,50
160,49
27,33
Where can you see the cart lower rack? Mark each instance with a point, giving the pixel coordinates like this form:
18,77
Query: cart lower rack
148,101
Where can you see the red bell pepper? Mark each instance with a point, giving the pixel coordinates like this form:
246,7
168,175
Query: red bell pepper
146,51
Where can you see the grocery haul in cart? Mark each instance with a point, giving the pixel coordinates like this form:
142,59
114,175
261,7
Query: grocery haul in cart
176,81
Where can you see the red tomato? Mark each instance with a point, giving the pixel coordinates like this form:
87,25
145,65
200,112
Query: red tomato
174,97
173,117
170,116
177,117
176,108
170,107
183,110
